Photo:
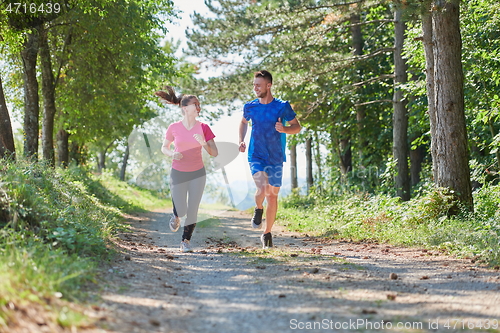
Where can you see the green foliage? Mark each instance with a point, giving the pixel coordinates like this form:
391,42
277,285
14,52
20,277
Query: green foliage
127,197
422,221
56,207
55,230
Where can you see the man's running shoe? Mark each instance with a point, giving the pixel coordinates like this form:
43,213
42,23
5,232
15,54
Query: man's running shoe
185,246
257,218
267,240
175,223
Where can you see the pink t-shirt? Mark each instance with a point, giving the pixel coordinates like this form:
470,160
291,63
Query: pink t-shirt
186,144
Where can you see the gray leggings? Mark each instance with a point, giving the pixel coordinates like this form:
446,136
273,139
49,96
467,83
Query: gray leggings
187,190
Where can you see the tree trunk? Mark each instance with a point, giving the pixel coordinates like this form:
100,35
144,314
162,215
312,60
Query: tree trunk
124,163
49,100
491,124
416,159
429,73
357,50
449,133
31,107
345,155
101,158
400,117
309,164
101,161
63,148
7,147
317,158
293,166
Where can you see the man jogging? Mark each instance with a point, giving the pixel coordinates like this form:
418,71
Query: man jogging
266,152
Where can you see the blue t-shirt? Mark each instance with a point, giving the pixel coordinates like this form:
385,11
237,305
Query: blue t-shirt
266,144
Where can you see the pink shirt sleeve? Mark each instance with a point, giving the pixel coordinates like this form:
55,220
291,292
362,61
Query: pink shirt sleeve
170,135
207,132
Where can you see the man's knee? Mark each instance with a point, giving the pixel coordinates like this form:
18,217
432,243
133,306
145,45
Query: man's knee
272,193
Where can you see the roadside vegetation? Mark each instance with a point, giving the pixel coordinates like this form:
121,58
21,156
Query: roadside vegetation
422,221
55,232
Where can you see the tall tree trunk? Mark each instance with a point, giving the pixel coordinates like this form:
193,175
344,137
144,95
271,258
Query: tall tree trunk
293,166
317,158
31,99
309,164
125,162
7,147
428,41
449,133
400,117
49,100
62,148
357,50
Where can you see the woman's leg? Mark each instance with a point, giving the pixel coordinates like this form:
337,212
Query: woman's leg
178,191
195,193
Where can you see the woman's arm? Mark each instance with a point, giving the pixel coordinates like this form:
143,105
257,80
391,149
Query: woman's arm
209,145
165,149
211,148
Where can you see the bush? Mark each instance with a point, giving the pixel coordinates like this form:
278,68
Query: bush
422,221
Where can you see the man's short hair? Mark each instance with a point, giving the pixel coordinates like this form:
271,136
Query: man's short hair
264,74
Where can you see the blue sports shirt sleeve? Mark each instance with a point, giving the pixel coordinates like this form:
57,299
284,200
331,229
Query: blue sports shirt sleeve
288,113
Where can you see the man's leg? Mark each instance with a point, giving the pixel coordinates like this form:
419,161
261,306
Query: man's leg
260,179
272,206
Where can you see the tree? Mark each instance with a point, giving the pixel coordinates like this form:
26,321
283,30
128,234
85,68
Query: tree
445,91
7,147
400,117
323,61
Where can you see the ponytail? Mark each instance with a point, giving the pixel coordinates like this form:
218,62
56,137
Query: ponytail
167,96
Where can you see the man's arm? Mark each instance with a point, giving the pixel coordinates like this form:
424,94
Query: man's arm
242,134
293,128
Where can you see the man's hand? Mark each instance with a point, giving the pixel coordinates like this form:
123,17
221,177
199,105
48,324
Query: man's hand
243,147
279,126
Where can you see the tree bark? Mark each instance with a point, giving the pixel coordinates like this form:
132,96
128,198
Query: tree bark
49,100
101,158
7,147
309,164
317,158
345,155
31,99
293,166
428,41
416,159
448,132
400,116
62,148
357,50
124,163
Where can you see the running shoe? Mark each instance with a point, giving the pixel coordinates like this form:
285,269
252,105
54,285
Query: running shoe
185,246
257,218
175,223
267,240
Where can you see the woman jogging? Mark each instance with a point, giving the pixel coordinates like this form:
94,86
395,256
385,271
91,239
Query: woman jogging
188,176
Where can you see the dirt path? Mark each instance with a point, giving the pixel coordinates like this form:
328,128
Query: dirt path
229,285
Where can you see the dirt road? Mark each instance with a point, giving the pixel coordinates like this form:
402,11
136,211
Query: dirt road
303,285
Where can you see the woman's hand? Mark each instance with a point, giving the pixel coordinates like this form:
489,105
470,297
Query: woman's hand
200,139
177,155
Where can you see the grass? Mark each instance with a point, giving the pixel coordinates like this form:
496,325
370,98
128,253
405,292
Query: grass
56,228
422,221
127,197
